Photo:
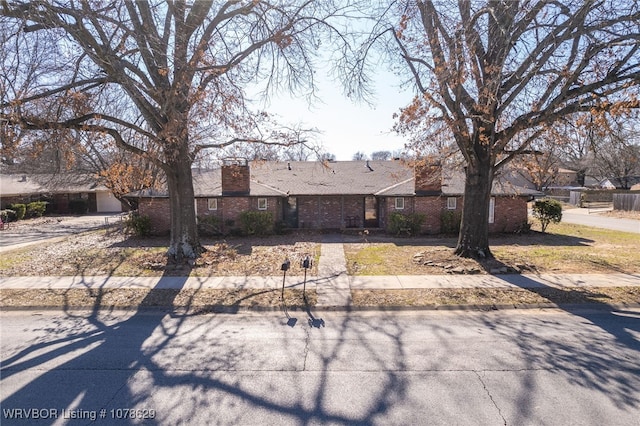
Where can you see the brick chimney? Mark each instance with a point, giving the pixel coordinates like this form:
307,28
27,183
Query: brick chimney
428,178
236,179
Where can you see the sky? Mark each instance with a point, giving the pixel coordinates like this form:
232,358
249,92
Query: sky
347,126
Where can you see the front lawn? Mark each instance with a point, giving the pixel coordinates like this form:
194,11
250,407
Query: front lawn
565,248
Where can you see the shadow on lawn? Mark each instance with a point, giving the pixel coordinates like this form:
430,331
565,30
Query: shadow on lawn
530,239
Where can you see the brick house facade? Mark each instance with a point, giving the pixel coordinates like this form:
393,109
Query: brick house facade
336,195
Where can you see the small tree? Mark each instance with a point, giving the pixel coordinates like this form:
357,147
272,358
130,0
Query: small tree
547,211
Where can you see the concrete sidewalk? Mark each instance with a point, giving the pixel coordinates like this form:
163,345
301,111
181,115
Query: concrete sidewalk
332,283
332,290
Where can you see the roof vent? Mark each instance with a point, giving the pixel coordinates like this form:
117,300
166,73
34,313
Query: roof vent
23,178
368,166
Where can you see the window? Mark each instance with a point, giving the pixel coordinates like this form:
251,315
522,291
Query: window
492,208
451,203
262,203
399,203
212,203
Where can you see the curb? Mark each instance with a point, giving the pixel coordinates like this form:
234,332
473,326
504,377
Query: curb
223,309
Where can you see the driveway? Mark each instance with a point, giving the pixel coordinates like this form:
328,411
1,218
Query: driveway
583,217
28,232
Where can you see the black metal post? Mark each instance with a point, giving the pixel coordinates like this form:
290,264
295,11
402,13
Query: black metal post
284,268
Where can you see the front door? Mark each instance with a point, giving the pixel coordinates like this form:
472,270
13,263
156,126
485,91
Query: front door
371,212
290,213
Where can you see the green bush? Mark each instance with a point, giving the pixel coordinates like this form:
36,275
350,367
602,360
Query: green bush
78,206
139,225
547,211
450,222
209,226
406,224
523,228
8,215
256,223
36,209
20,209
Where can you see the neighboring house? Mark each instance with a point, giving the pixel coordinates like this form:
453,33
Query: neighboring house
620,182
58,190
336,195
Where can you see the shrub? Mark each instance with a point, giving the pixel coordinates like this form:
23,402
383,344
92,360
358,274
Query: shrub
523,228
20,209
8,215
78,206
547,211
140,225
406,224
256,223
36,209
450,222
209,226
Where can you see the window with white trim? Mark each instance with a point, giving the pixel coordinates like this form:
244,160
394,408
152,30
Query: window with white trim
212,203
492,208
262,203
399,203
452,203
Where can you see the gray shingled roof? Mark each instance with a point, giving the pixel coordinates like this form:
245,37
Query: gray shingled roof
505,183
300,178
24,184
333,178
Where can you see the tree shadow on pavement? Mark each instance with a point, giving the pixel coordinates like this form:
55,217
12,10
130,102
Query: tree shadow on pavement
194,368
603,364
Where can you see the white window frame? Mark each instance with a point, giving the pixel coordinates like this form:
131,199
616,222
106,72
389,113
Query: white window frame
452,203
262,204
399,203
212,203
492,209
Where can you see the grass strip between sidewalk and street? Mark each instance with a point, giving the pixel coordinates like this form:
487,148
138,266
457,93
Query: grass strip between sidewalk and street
496,297
193,300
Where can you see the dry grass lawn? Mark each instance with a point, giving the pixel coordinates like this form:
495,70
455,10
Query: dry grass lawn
565,248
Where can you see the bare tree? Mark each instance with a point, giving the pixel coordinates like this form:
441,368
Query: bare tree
617,152
498,73
359,156
381,155
163,79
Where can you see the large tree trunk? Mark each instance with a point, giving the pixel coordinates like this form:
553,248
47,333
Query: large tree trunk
473,240
185,243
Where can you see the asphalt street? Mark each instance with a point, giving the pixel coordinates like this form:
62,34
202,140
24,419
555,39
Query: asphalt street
591,218
468,368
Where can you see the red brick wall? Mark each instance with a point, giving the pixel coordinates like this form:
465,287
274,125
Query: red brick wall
235,179
329,211
510,213
232,207
202,208
158,210
229,208
428,178
433,208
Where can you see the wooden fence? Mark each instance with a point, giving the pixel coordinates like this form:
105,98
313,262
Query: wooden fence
627,202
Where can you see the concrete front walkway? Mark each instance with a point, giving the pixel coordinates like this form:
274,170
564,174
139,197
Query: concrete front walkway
332,284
